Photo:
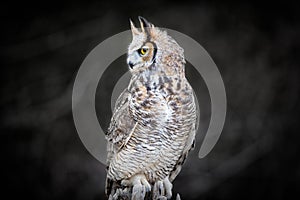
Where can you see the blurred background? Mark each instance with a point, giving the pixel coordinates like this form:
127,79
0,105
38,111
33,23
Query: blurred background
255,46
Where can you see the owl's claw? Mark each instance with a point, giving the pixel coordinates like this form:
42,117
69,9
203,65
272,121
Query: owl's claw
137,181
138,192
162,189
168,187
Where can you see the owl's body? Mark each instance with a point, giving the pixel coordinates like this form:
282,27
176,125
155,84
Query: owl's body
154,122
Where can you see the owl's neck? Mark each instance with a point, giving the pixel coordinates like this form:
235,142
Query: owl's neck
153,79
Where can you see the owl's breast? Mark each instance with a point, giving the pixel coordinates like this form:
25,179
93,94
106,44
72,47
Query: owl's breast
162,106
149,106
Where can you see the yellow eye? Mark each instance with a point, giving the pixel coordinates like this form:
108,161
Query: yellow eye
142,51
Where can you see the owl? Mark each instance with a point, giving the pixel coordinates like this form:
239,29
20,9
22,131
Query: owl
153,125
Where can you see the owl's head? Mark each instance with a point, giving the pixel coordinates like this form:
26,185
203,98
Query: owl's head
153,49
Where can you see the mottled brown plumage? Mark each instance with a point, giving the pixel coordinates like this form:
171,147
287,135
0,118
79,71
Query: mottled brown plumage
154,122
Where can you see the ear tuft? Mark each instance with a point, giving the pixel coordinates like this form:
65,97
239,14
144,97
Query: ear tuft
134,30
144,23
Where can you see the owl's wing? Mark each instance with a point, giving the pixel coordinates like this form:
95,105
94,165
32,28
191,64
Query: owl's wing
121,103
190,143
121,126
118,133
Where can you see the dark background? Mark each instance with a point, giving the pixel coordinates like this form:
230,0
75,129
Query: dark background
255,46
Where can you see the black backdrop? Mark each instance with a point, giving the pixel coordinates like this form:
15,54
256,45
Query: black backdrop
253,44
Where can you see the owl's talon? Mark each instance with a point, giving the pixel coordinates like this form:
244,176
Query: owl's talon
137,181
168,187
138,192
162,189
158,190
146,184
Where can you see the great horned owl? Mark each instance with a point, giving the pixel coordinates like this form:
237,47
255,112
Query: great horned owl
154,121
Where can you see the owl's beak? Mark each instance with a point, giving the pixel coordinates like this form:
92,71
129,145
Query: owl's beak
130,64
132,60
